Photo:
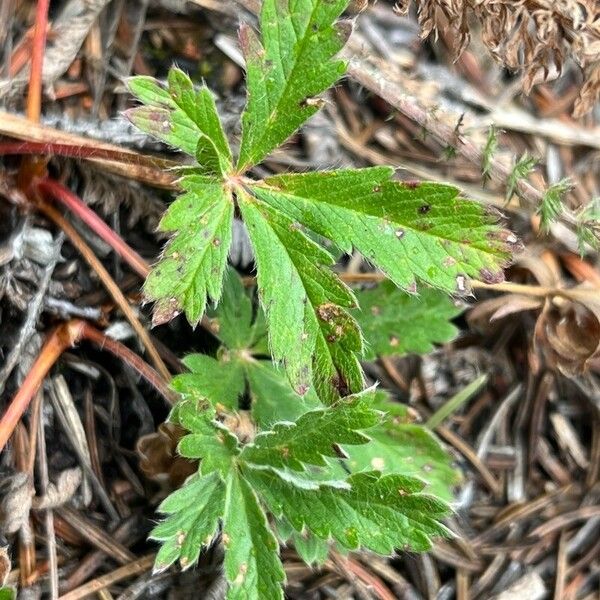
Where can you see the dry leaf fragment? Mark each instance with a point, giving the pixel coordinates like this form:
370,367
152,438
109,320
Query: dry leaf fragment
159,460
16,493
531,36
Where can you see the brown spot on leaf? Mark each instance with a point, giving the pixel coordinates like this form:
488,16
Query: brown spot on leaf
412,184
301,389
312,103
449,261
165,311
424,209
329,312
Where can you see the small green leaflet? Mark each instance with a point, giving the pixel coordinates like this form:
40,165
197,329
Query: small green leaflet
193,262
7,593
522,168
234,321
551,206
310,549
288,70
394,322
410,231
252,565
179,114
377,512
315,435
399,445
194,512
427,233
305,304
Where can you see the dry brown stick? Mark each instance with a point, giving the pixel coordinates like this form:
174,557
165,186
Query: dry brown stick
96,536
469,453
49,515
108,282
564,520
115,159
377,76
127,533
101,583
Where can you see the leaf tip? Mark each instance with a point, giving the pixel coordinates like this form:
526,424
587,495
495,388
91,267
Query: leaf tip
165,311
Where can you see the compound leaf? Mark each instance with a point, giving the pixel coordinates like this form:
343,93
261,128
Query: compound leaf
394,322
286,72
315,435
377,512
193,263
193,516
252,565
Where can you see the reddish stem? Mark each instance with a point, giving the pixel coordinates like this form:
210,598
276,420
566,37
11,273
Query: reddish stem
79,151
34,96
53,189
63,337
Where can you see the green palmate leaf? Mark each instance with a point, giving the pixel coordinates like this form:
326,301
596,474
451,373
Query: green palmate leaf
252,565
394,322
377,512
315,435
398,445
193,516
193,263
304,304
286,72
180,115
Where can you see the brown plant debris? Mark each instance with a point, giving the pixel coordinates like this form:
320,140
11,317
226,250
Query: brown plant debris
531,36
